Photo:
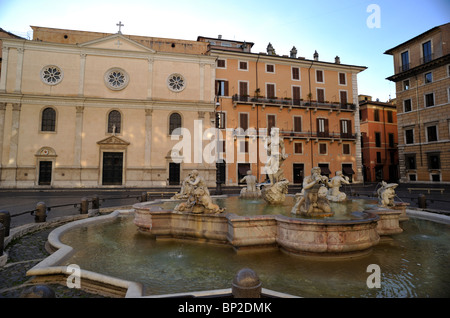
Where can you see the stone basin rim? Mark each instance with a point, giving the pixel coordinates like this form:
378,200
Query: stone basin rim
371,215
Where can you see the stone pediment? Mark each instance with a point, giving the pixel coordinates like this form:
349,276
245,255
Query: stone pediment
113,141
117,42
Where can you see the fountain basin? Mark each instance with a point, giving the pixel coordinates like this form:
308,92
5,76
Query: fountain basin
323,237
328,238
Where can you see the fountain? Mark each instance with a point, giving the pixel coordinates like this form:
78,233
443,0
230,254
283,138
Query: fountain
279,236
310,229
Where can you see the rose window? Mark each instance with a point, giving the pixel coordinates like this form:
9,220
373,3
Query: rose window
51,75
116,79
176,82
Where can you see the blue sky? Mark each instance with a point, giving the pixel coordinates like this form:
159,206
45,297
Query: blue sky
331,27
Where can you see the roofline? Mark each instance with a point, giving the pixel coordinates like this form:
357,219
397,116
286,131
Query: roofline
12,34
256,55
375,103
205,37
390,51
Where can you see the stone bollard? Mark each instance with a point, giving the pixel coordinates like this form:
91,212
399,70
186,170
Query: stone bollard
41,213
246,284
2,238
84,207
39,291
95,202
5,219
422,201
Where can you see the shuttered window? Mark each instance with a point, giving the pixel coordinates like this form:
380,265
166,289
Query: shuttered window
270,90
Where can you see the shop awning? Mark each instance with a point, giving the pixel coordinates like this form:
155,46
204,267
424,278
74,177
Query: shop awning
347,170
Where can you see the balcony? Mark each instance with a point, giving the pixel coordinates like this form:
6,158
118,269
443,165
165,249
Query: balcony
291,103
318,135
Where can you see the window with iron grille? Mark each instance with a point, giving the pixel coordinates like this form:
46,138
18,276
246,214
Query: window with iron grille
174,123
114,122
48,119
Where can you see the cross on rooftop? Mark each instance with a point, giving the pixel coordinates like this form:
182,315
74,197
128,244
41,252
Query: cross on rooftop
120,25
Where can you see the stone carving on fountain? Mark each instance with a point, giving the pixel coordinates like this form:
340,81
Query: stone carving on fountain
250,191
276,192
386,194
312,201
334,184
196,193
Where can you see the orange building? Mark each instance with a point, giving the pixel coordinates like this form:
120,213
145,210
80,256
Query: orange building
379,140
313,103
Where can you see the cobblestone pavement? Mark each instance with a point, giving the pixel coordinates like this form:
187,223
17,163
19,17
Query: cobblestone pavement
23,254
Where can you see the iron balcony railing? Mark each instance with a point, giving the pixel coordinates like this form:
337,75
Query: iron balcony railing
291,102
317,135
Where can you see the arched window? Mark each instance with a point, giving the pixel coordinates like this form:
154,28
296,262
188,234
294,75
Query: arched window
48,121
114,122
174,123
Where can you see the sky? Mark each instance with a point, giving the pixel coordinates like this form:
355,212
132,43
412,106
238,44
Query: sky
358,31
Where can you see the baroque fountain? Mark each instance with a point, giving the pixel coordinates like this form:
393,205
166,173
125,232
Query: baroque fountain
167,237
312,230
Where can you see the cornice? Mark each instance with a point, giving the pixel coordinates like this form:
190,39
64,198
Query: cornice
82,49
105,102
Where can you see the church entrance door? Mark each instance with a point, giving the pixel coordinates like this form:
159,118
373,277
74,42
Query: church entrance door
112,168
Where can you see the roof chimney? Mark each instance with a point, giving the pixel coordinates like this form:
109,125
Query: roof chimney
220,36
337,60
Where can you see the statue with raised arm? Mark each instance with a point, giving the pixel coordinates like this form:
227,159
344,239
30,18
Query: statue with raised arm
250,191
334,184
386,194
313,202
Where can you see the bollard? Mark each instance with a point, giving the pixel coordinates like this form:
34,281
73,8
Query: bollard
246,284
84,207
422,201
2,238
41,212
95,202
144,197
39,291
5,219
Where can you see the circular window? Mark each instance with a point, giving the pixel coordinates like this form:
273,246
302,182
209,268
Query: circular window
176,82
51,75
116,79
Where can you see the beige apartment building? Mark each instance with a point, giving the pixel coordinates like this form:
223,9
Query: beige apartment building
86,109
422,78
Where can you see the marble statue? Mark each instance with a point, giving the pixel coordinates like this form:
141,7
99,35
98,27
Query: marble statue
186,189
313,201
250,191
386,194
199,199
276,191
334,184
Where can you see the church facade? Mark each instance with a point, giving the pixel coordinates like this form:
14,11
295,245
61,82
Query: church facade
85,109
